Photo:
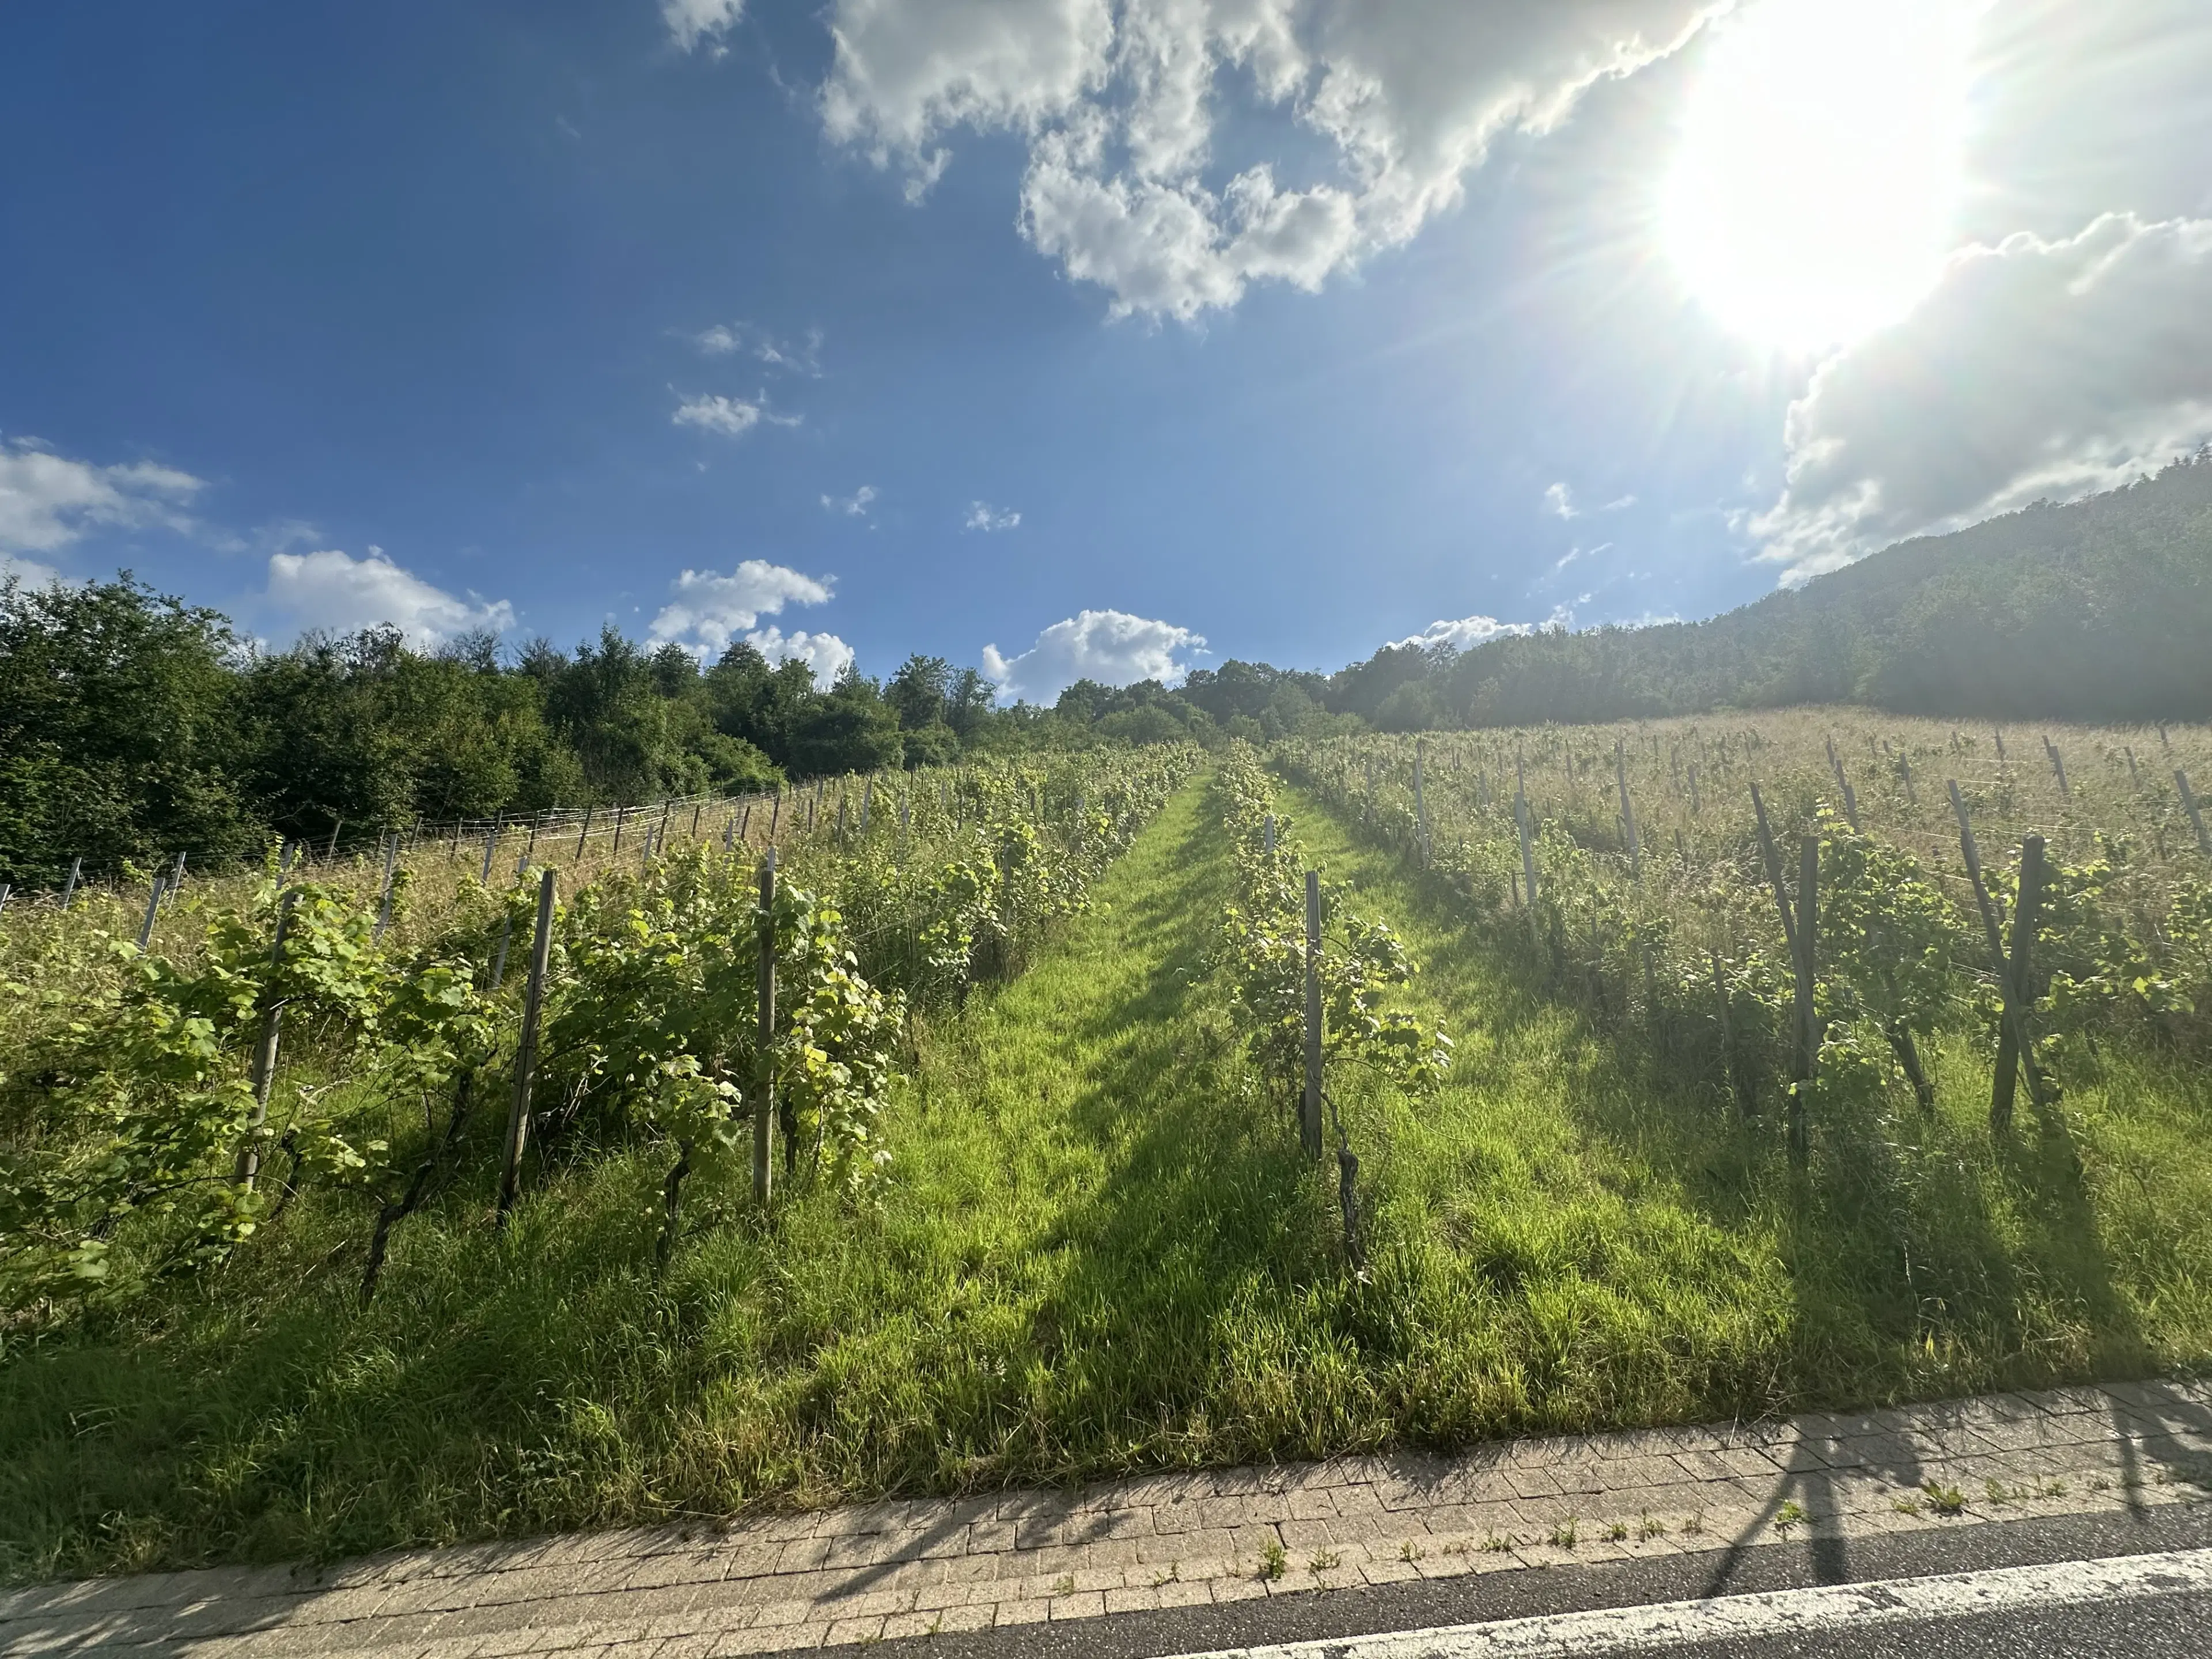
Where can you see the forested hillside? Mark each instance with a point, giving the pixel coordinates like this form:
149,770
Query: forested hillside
2098,610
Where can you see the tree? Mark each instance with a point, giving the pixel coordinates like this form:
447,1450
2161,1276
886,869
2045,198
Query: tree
118,720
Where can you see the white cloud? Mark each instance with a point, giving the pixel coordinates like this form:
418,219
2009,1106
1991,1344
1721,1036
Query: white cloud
29,572
855,506
1110,646
825,653
982,516
2035,368
730,417
1465,634
695,22
710,609
335,592
48,501
1559,501
1118,102
802,357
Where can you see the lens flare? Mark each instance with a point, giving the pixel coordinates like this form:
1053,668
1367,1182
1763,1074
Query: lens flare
1814,193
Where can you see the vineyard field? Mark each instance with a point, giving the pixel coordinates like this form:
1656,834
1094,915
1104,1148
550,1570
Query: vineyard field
1049,1216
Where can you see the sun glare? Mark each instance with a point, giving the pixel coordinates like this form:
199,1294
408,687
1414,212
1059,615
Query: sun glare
1814,194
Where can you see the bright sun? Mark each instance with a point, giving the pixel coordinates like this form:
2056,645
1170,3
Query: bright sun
1814,195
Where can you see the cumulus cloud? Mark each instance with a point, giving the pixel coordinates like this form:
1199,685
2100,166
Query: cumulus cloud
982,516
48,500
1465,634
710,609
855,506
28,572
730,417
825,653
694,23
2035,368
1110,646
333,592
800,356
1118,103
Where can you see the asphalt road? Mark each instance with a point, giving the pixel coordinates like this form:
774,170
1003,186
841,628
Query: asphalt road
2148,1627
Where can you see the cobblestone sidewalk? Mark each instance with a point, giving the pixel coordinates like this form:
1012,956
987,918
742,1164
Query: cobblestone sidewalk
891,1570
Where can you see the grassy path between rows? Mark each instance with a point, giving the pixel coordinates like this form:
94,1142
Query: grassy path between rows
1097,1250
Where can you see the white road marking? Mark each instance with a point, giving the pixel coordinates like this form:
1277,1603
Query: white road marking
1772,1613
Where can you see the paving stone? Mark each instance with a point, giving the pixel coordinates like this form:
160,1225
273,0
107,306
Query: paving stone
778,1580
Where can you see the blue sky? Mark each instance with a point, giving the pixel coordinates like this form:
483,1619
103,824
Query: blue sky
936,325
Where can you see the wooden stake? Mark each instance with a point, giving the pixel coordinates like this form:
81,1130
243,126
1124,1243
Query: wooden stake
1628,811
525,1050
1809,1053
764,1101
383,893
2020,975
1420,810
2057,765
262,1071
2190,805
69,891
583,832
330,853
152,909
2012,1037
1310,1115
1522,817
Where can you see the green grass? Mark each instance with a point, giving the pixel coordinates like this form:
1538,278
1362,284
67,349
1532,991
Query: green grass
1601,1243
1100,1252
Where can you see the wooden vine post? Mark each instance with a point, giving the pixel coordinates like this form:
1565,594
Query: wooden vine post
764,1101
1844,787
384,892
1521,816
2191,806
2015,1049
1309,1113
1628,811
2019,971
525,1050
1799,924
262,1074
69,892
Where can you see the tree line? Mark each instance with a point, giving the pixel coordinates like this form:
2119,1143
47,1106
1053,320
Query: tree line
132,725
